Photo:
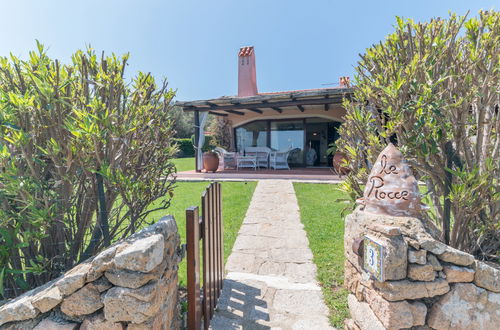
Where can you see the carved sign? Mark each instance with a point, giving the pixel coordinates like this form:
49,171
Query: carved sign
391,188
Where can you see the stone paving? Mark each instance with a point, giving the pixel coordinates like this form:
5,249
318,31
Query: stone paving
271,279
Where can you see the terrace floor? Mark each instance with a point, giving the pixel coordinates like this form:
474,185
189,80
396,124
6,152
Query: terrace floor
316,175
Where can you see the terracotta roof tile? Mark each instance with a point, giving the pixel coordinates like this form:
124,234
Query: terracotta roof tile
246,51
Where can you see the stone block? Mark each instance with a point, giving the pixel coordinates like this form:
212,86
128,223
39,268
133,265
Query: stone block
403,290
456,274
456,257
19,309
396,315
143,255
83,302
133,305
432,245
436,265
466,307
417,256
102,262
47,299
50,324
421,272
487,276
99,322
349,324
102,284
74,279
394,256
362,314
129,279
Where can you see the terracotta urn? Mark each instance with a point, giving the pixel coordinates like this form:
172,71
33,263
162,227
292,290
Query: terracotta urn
210,161
338,160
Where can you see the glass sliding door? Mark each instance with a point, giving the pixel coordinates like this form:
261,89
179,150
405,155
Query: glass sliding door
289,134
251,135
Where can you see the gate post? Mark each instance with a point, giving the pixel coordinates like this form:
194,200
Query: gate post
193,268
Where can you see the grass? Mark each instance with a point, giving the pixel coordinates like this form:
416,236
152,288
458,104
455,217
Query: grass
320,214
236,197
184,164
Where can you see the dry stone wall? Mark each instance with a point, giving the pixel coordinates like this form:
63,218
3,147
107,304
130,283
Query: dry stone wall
426,284
131,285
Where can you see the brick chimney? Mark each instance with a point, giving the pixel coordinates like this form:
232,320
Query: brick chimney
247,79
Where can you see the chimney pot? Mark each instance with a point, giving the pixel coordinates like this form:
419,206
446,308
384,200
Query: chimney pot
247,78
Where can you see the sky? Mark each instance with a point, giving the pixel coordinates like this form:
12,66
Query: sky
194,44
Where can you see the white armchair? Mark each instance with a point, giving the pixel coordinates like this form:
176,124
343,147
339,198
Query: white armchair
279,159
228,158
262,154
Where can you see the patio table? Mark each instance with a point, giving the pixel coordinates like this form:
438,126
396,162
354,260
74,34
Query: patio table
246,161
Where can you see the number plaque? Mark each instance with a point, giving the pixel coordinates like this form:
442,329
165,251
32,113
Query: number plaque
372,258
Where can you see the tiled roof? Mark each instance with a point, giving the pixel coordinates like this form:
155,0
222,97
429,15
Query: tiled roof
246,51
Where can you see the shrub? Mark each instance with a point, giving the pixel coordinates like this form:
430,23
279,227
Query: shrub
83,154
185,146
433,88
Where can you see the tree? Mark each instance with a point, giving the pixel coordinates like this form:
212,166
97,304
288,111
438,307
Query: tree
433,88
183,123
83,155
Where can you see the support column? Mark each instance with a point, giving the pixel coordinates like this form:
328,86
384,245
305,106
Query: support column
196,138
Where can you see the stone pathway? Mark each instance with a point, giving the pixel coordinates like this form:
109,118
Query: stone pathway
271,279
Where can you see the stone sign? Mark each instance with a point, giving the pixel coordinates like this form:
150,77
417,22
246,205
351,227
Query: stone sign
391,188
373,258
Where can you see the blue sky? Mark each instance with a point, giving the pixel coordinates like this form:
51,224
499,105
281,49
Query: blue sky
299,44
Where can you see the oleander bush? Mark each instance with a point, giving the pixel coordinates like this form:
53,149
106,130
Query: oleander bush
83,154
432,88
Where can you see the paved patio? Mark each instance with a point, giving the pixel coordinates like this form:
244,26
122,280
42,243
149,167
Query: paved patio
271,279
313,175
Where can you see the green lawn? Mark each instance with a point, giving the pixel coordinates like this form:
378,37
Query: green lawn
184,164
236,197
324,225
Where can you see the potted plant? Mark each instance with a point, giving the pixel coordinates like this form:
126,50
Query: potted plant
339,158
210,161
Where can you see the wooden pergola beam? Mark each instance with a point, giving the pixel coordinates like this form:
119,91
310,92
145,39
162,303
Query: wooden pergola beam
218,114
235,112
327,106
265,104
301,108
277,109
255,110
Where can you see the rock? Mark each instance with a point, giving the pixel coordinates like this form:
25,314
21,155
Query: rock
417,256
83,302
402,290
432,245
456,257
362,314
421,272
466,307
102,284
487,277
349,324
436,265
73,279
132,305
395,259
47,299
50,324
128,279
102,262
99,322
386,230
391,188
396,315
456,274
441,274
19,309
143,255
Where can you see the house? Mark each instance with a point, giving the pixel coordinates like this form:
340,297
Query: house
300,120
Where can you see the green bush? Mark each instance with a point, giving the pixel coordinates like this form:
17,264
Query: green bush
186,148
83,154
433,88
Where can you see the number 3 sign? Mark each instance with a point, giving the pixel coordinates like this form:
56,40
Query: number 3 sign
372,258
